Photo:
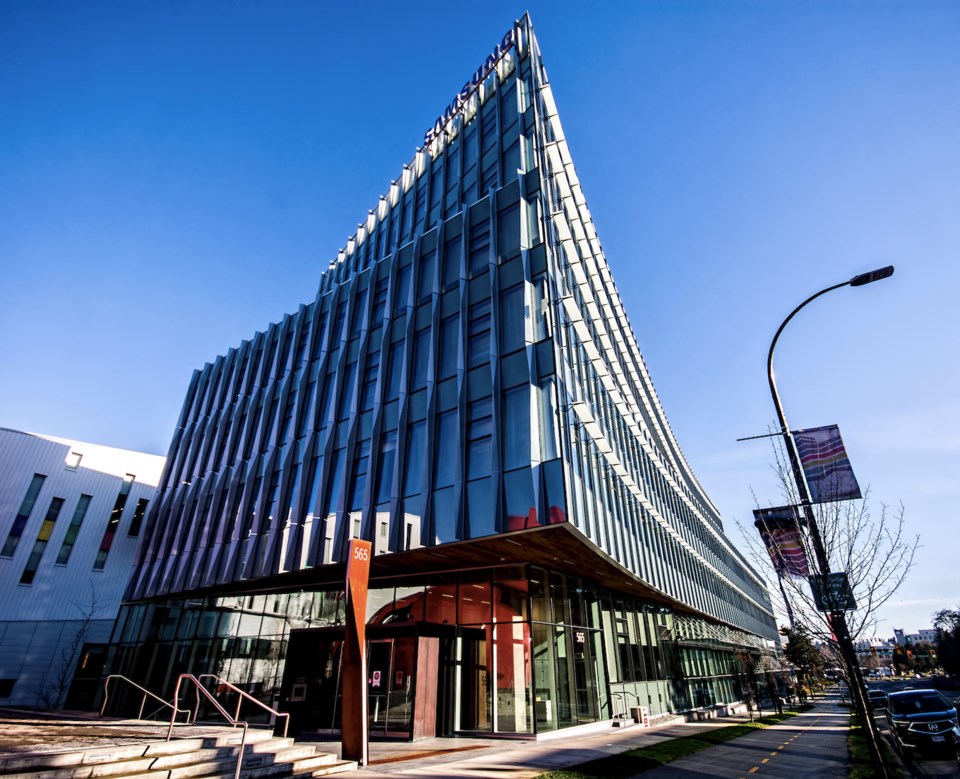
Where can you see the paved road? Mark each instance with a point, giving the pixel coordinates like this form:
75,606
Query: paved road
811,744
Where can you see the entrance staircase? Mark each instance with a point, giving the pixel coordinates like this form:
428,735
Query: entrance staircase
206,752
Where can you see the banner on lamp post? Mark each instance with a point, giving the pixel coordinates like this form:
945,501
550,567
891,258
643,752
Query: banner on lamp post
779,529
825,464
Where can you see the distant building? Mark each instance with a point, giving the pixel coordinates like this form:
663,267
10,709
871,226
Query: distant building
466,393
874,652
925,636
71,515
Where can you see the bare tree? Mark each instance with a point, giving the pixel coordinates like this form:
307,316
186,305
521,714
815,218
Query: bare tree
746,673
53,688
872,547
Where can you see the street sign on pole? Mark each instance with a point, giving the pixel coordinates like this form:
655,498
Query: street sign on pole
831,592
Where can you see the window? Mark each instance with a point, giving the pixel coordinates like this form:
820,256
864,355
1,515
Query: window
445,514
72,461
508,106
479,438
421,358
449,346
508,231
428,264
138,514
395,370
413,458
339,319
70,539
43,537
512,320
336,480
388,452
446,454
379,301
451,262
516,428
16,530
346,397
479,248
520,501
478,334
359,309
361,462
288,409
403,289
113,522
369,388
541,310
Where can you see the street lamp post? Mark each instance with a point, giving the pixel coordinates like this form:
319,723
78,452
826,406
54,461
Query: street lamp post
837,617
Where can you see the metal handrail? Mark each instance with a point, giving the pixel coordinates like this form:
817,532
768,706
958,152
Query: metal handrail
143,700
245,695
626,703
201,689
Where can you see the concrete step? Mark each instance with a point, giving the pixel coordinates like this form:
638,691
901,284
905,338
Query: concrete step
336,767
210,755
96,755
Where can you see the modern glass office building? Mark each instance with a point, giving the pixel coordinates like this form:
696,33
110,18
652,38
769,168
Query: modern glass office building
465,392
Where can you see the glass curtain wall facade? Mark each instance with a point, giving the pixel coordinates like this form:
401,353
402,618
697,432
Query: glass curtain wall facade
465,371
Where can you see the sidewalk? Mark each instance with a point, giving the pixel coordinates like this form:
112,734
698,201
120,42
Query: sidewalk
471,757
23,731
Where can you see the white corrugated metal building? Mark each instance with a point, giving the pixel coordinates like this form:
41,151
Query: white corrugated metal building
71,515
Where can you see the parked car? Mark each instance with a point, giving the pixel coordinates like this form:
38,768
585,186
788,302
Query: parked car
877,698
922,720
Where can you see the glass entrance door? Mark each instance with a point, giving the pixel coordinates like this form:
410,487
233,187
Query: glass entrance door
390,685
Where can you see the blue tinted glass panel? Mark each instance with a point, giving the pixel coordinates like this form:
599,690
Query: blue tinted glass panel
428,264
388,452
413,458
403,289
508,222
480,509
445,514
421,359
513,321
449,343
520,499
516,427
447,449
396,371
451,262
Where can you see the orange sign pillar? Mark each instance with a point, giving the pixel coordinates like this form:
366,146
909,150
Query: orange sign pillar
354,735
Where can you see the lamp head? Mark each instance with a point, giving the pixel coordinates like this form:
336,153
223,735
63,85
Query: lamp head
869,278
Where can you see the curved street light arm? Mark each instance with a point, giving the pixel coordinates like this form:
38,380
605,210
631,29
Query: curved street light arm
781,418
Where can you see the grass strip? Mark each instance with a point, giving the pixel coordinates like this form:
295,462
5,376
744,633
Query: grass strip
861,763
636,761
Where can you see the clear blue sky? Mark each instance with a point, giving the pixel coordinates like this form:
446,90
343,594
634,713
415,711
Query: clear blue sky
174,176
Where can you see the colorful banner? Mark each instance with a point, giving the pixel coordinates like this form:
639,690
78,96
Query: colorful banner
354,733
780,530
825,464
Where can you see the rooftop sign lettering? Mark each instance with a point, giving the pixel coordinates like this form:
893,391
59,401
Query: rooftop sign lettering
470,87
